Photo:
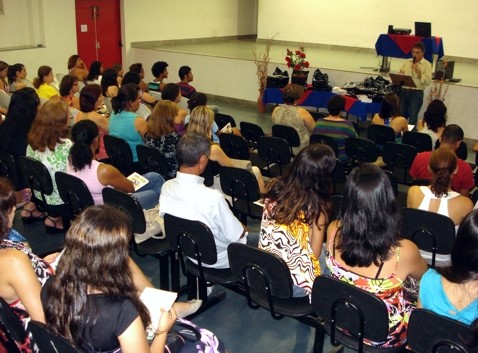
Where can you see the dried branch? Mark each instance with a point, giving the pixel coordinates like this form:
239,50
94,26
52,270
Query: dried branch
262,59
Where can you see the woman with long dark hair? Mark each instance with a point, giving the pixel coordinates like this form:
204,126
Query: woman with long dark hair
389,115
69,88
452,291
94,75
297,209
364,247
109,83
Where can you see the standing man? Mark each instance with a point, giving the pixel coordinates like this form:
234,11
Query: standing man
420,69
186,75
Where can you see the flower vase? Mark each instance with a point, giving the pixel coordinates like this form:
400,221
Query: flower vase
261,106
299,77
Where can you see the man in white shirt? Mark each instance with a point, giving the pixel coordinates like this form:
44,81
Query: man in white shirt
411,99
187,197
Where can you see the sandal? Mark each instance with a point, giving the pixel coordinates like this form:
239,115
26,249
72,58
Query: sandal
33,216
56,227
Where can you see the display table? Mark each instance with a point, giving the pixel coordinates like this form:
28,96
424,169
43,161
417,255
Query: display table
400,46
317,99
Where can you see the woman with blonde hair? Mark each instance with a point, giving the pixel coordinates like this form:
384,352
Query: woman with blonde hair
162,135
42,83
49,143
200,122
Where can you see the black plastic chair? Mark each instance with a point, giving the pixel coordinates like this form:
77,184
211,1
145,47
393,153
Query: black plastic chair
224,119
399,156
361,150
251,133
325,140
10,170
241,185
193,240
338,175
346,308
234,146
275,152
74,193
393,182
430,231
150,159
49,342
287,133
429,332
422,142
336,204
120,154
38,179
11,329
380,134
159,248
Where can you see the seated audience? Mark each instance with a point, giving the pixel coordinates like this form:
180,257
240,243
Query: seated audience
172,93
296,211
94,75
93,301
124,122
453,291
187,197
97,176
3,76
109,83
389,116
42,83
434,121
197,99
160,72
48,143
23,273
335,126
201,121
77,67
161,133
364,247
138,68
290,115
90,101
462,181
16,74
133,77
186,75
69,88
119,73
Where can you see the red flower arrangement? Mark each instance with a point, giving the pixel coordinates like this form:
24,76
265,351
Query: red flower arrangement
296,59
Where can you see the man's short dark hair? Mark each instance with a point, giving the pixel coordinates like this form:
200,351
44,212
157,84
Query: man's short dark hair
183,71
452,134
419,45
336,104
191,147
158,68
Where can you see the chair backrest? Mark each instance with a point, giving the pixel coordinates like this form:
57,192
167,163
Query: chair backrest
352,309
193,239
143,111
429,332
338,174
129,205
380,134
325,140
234,146
36,175
251,132
361,150
422,142
393,182
11,329
208,174
120,153
108,105
9,169
74,192
287,133
4,99
259,269
239,183
151,159
49,342
336,204
397,155
223,119
431,231
274,150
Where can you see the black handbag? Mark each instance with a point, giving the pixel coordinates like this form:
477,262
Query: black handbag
320,81
279,79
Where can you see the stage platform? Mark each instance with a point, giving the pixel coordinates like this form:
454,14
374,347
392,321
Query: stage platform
225,68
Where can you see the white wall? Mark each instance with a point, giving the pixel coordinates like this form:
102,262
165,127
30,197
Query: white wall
358,23
59,35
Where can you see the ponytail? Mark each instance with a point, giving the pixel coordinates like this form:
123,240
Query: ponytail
442,164
82,133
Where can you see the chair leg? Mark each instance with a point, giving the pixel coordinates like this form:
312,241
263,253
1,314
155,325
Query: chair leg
164,273
319,339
